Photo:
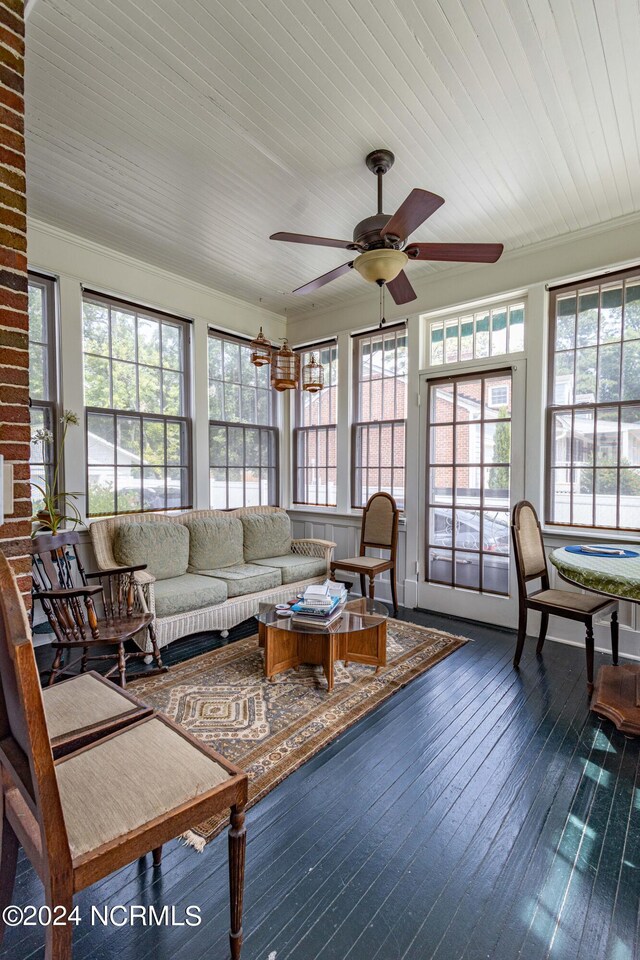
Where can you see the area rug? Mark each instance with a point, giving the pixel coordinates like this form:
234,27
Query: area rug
269,728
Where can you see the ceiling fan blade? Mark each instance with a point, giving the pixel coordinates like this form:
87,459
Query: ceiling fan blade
461,252
318,241
325,278
417,208
400,289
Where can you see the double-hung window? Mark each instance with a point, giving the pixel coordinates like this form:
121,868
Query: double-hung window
314,435
243,431
43,380
593,412
380,412
136,394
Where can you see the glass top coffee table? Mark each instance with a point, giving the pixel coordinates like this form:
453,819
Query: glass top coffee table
358,635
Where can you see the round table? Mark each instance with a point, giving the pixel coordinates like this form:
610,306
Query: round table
617,690
359,635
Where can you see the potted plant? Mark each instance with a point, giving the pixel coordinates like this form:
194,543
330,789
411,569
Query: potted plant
57,505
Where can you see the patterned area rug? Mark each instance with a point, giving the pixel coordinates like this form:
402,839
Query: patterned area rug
271,729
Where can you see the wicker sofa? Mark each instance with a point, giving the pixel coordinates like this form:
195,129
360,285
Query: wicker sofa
210,569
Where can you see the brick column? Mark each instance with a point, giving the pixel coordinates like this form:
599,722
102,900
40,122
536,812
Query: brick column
14,318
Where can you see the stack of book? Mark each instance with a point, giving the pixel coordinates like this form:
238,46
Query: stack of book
320,605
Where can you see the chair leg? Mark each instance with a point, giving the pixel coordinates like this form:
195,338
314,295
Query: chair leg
83,660
372,587
614,637
237,849
394,591
122,665
363,587
544,623
8,861
157,856
58,937
154,645
522,633
589,650
56,665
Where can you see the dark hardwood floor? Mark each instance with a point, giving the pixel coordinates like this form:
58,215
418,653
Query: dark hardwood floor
479,813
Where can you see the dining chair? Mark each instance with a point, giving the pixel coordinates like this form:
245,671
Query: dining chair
531,564
86,708
83,816
379,531
86,616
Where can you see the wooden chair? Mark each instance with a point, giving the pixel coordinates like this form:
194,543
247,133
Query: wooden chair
84,617
86,708
380,531
531,564
81,817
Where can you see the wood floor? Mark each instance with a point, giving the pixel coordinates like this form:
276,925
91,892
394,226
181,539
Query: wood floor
480,813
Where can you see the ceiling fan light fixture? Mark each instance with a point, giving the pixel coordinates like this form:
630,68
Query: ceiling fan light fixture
380,266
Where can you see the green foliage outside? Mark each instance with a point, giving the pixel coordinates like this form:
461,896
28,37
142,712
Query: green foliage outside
499,476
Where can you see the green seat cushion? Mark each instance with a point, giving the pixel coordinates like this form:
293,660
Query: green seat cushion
266,535
162,545
214,542
294,567
186,593
245,578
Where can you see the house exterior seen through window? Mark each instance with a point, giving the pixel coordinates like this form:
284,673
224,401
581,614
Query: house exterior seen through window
136,392
593,413
314,436
243,433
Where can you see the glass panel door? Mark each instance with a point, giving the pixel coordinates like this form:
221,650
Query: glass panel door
468,493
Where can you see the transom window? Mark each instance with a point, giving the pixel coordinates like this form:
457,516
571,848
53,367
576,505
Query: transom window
490,332
137,410
43,387
243,433
314,435
593,416
380,402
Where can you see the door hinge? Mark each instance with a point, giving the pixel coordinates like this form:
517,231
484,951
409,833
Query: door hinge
417,569
418,398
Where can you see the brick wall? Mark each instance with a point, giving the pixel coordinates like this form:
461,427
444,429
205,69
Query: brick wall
14,324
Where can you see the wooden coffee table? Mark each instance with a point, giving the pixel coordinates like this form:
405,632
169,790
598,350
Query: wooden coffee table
359,635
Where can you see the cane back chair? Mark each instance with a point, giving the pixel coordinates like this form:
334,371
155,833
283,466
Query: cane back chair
531,564
379,531
84,816
86,616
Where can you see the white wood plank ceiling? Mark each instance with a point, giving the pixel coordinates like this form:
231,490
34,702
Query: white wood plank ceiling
184,132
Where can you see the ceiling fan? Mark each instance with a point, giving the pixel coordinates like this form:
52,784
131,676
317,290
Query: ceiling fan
381,241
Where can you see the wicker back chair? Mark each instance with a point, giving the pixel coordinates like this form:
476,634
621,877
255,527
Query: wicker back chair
379,531
531,564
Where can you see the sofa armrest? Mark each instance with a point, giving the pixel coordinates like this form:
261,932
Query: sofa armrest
314,548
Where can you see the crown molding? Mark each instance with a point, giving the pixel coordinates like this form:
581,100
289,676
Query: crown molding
57,233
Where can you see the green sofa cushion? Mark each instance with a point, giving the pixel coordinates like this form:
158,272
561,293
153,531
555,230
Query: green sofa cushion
186,593
245,578
294,566
266,535
214,542
162,545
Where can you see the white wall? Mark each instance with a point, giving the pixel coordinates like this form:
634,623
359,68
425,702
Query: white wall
76,261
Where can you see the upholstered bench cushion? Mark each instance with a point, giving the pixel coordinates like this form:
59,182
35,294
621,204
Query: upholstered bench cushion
99,804
81,703
186,593
162,545
245,578
214,542
266,535
294,566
